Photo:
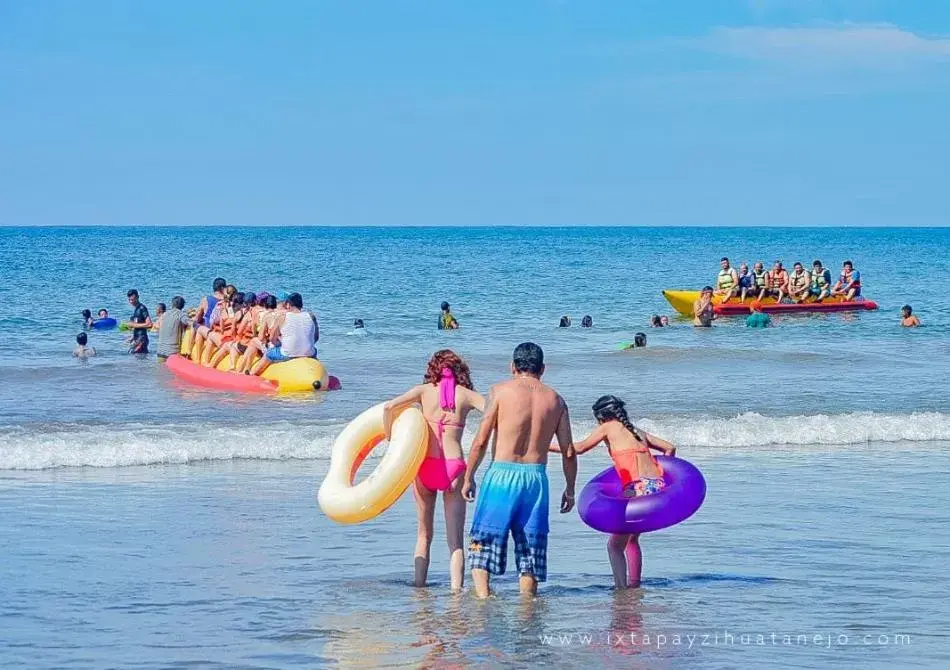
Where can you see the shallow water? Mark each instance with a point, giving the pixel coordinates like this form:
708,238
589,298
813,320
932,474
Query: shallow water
231,565
147,523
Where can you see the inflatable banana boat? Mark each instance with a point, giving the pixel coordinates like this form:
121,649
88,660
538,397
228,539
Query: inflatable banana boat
682,302
294,376
347,502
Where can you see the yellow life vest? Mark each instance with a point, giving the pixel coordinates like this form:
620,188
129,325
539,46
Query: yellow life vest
725,282
760,278
799,281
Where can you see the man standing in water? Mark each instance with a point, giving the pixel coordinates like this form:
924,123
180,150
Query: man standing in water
525,415
140,323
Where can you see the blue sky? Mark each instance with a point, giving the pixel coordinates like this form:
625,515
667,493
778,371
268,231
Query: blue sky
545,112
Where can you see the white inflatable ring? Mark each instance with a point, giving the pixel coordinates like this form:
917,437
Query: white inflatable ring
346,502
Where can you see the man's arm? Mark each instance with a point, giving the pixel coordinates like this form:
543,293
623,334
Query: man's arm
568,458
202,308
479,446
275,331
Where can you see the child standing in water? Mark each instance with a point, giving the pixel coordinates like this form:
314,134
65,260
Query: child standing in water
640,474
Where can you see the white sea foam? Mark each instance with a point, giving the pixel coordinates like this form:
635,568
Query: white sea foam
74,445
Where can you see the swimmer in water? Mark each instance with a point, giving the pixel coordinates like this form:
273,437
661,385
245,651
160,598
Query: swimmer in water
908,319
81,351
446,320
587,322
565,322
87,320
103,314
703,313
358,328
639,472
664,320
160,309
656,321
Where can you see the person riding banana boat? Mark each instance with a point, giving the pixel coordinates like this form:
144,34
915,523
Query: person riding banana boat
727,283
746,282
776,283
799,284
820,281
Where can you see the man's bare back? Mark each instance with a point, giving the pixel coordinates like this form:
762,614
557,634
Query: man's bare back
529,414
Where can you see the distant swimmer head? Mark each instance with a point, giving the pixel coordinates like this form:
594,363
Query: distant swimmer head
103,313
358,323
656,321
640,340
565,322
218,285
446,362
445,307
86,314
756,306
907,310
178,302
664,320
587,322
528,358
81,339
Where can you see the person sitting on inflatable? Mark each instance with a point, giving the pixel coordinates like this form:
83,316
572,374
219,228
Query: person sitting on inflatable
205,309
820,281
296,336
447,396
263,330
727,282
232,327
222,325
799,284
849,284
776,283
746,282
760,279
640,474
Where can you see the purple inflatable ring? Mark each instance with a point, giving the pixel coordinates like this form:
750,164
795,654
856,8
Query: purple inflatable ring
603,507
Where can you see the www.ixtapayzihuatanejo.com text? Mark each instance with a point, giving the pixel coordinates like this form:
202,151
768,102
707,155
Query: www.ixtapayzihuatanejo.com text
723,639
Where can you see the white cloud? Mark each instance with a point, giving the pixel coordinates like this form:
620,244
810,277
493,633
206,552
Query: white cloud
848,44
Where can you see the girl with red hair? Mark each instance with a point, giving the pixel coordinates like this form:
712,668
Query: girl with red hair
446,396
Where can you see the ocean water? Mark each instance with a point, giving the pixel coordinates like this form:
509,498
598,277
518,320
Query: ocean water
152,523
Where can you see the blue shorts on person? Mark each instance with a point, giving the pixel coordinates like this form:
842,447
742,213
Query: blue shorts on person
513,499
275,355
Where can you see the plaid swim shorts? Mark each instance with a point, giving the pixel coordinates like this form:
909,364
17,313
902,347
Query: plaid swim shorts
513,499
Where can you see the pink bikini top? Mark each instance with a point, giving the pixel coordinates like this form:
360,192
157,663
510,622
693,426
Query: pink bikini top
447,402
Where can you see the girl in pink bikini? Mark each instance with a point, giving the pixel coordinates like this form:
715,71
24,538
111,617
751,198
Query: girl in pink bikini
446,396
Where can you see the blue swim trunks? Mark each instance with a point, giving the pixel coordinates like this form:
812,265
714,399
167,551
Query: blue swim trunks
275,355
513,499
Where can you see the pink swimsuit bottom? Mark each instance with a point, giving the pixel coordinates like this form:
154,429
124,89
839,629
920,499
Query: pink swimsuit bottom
438,473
